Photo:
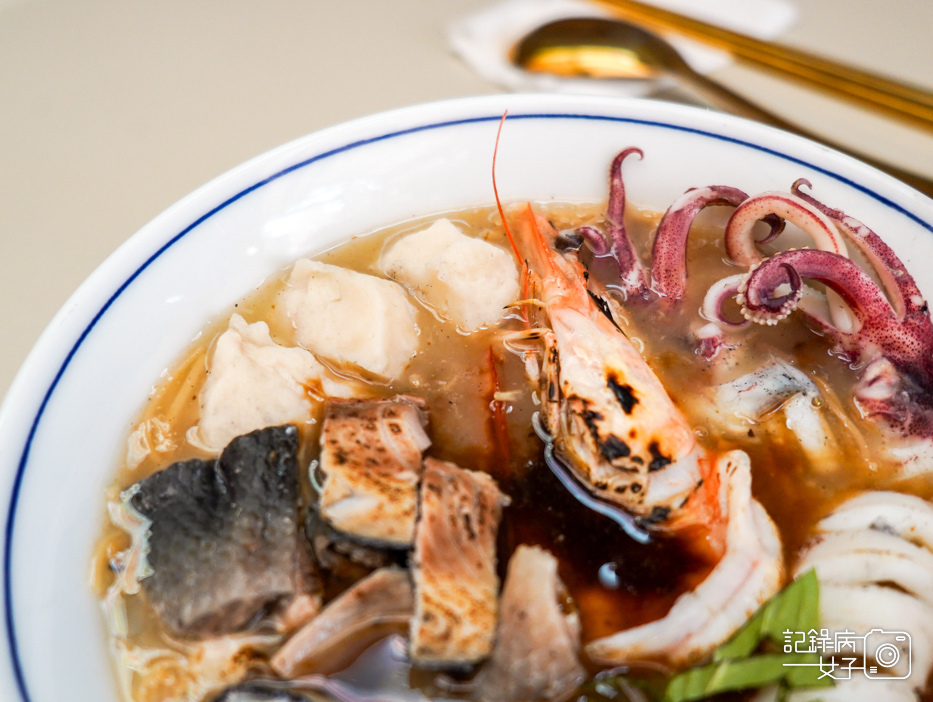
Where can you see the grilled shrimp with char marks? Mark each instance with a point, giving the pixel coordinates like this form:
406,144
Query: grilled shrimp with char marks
611,417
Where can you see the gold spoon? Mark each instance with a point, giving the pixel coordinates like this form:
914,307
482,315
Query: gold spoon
896,98
613,49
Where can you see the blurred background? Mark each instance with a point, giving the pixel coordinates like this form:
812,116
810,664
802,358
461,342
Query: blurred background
112,111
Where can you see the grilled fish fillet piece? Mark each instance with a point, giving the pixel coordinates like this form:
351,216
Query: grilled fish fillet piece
371,461
382,598
225,542
536,655
454,566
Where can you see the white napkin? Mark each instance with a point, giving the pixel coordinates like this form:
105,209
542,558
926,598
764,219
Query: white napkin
485,39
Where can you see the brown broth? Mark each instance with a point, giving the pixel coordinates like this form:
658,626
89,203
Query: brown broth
615,582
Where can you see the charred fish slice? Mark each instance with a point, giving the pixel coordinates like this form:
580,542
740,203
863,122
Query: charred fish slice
536,656
371,461
224,544
454,566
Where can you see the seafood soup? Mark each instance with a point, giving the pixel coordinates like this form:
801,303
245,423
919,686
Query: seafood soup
517,454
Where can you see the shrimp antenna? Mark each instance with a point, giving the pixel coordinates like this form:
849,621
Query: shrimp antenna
505,224
495,190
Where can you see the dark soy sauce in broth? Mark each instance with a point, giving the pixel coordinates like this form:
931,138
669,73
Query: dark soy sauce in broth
614,582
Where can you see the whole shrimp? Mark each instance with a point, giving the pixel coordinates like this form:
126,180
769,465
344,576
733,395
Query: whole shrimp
610,416
612,421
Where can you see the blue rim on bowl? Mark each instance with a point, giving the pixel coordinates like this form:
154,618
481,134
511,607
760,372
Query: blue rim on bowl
36,387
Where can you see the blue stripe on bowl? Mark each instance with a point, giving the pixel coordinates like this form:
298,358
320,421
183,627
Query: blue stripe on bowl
24,458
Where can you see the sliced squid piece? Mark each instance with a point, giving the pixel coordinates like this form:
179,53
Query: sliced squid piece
349,317
778,386
253,383
875,612
755,394
808,425
466,280
871,557
874,559
371,462
536,656
454,566
382,599
908,516
748,574
913,456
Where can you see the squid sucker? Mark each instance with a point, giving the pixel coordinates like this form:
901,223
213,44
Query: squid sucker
891,335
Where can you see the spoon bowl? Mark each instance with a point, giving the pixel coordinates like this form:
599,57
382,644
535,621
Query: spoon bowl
613,49
598,48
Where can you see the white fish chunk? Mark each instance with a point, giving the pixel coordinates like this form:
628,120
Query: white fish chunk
536,656
454,566
349,317
750,571
466,280
254,383
371,459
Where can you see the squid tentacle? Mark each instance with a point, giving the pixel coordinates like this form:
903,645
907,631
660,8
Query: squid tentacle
900,286
668,271
710,338
595,239
718,294
759,298
741,245
669,251
906,342
632,275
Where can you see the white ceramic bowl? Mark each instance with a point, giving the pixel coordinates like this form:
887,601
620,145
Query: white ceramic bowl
64,422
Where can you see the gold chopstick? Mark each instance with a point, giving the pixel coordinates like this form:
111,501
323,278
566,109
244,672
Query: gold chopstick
907,102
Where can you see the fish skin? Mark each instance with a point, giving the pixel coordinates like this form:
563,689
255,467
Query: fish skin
225,544
343,557
371,460
454,566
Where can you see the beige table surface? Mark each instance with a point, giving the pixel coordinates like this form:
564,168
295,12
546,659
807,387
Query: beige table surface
112,111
